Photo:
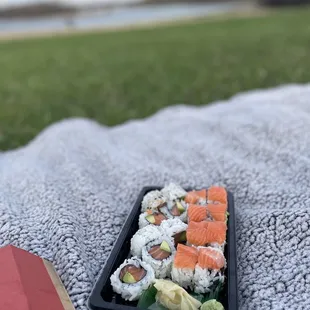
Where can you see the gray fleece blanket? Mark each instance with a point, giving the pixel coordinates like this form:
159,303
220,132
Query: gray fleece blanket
65,195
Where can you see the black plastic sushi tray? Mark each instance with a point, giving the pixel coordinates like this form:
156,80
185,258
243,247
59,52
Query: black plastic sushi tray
102,296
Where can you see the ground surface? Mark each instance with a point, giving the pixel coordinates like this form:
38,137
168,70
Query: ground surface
117,76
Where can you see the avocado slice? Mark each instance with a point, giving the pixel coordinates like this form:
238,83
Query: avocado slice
128,278
165,246
180,207
150,218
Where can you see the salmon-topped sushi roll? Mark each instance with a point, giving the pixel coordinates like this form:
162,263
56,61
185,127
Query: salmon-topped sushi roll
195,197
211,258
196,233
219,217
217,194
218,212
206,232
216,232
184,265
196,213
209,269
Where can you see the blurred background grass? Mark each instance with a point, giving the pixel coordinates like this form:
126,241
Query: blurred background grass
116,76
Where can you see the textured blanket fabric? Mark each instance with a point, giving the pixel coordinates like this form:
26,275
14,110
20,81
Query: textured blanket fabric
66,195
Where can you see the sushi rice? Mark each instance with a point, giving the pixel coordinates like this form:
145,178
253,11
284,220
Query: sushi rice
153,200
132,291
183,276
204,279
142,220
173,191
162,268
202,201
209,269
142,237
184,265
173,226
218,246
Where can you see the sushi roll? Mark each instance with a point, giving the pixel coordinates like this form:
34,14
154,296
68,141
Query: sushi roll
176,229
132,278
159,253
173,192
206,232
198,213
176,209
217,194
196,197
210,212
142,237
197,233
184,265
153,200
218,212
216,232
209,269
151,218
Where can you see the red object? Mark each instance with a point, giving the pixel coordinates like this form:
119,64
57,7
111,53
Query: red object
25,283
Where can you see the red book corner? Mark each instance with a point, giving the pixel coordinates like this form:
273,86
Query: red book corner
28,282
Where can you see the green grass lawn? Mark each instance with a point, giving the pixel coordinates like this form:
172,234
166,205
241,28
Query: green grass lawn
116,76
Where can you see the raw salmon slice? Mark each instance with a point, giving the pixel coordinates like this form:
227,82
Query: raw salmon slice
196,233
211,258
197,225
217,208
202,233
194,196
217,194
216,232
196,213
159,218
220,217
186,257
217,211
202,194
